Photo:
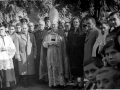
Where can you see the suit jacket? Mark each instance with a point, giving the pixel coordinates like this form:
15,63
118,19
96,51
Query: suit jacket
28,50
89,42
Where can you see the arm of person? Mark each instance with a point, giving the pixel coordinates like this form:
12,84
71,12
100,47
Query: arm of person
11,49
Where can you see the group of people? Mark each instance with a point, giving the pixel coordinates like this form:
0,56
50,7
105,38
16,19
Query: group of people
61,53
102,68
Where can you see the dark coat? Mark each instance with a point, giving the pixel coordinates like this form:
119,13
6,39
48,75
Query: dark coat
75,45
89,43
39,36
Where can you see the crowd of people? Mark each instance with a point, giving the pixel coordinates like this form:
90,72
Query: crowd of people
56,52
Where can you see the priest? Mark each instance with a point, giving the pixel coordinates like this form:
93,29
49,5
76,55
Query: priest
53,58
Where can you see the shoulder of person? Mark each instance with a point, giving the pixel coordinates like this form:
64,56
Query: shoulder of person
31,34
44,31
17,34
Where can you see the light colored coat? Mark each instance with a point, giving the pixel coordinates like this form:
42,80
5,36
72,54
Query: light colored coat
99,41
27,50
15,37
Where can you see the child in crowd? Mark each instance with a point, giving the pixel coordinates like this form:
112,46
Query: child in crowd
108,78
91,67
111,54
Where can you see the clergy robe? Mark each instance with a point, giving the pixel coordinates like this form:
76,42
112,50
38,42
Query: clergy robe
7,52
27,50
53,61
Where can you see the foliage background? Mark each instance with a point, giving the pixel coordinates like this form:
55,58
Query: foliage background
10,9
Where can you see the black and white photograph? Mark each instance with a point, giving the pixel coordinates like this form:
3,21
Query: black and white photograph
59,44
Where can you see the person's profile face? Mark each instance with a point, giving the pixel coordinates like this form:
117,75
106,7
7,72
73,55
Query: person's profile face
105,81
112,56
90,72
11,30
76,23
114,21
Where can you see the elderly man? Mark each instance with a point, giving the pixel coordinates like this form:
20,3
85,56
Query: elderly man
27,50
53,59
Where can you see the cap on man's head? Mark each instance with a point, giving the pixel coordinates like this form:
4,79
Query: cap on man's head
23,20
46,19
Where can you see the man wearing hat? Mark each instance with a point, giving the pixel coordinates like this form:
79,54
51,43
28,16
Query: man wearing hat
53,59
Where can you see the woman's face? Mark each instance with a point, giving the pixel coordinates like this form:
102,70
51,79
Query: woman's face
76,23
2,30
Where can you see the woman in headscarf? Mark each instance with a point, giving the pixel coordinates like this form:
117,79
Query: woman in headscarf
7,52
